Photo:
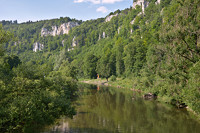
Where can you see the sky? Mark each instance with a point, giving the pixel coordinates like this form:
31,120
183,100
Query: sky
25,10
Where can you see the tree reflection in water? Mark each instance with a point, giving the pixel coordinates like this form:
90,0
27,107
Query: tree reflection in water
107,110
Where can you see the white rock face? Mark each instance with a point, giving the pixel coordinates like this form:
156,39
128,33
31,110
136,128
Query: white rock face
157,2
119,30
69,49
104,35
143,3
55,31
15,43
38,46
74,42
131,31
44,32
62,29
110,17
132,22
63,43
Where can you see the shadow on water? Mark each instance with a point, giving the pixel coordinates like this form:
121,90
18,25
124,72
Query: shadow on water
111,110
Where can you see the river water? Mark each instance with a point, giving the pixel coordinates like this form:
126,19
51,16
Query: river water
114,110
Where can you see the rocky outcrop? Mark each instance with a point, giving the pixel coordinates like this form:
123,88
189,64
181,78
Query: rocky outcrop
132,22
38,46
69,49
110,17
118,30
150,96
17,43
62,29
63,43
104,35
143,3
157,2
45,32
131,31
74,44
178,104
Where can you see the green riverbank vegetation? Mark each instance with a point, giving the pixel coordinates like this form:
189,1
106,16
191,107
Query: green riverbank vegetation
30,98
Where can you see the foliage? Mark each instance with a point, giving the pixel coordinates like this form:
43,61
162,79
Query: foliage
29,98
159,50
113,78
89,68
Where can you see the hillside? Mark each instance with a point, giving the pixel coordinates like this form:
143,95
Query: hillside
157,47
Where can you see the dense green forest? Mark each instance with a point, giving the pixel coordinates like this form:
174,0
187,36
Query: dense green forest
159,50
29,98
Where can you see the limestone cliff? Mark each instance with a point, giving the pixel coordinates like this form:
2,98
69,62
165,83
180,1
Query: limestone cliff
62,29
118,30
133,21
74,44
143,3
157,2
37,46
110,17
102,36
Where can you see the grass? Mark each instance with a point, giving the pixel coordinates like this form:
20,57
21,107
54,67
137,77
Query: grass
119,83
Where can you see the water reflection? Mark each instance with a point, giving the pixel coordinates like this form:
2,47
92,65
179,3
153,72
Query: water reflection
108,110
98,87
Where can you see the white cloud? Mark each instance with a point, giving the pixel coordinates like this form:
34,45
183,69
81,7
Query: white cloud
98,1
102,9
110,1
92,1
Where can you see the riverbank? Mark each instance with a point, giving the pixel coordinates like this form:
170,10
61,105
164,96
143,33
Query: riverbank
119,83
132,85
109,109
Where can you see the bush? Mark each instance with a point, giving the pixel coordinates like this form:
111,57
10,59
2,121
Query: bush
113,78
31,102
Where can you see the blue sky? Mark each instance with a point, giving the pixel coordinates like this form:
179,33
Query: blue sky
25,10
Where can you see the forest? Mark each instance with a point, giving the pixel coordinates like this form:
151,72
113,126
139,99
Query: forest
158,50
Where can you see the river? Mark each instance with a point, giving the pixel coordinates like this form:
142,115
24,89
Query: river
114,110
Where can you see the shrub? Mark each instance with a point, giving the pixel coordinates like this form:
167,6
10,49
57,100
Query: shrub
113,78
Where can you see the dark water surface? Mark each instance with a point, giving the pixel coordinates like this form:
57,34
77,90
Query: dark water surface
112,110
